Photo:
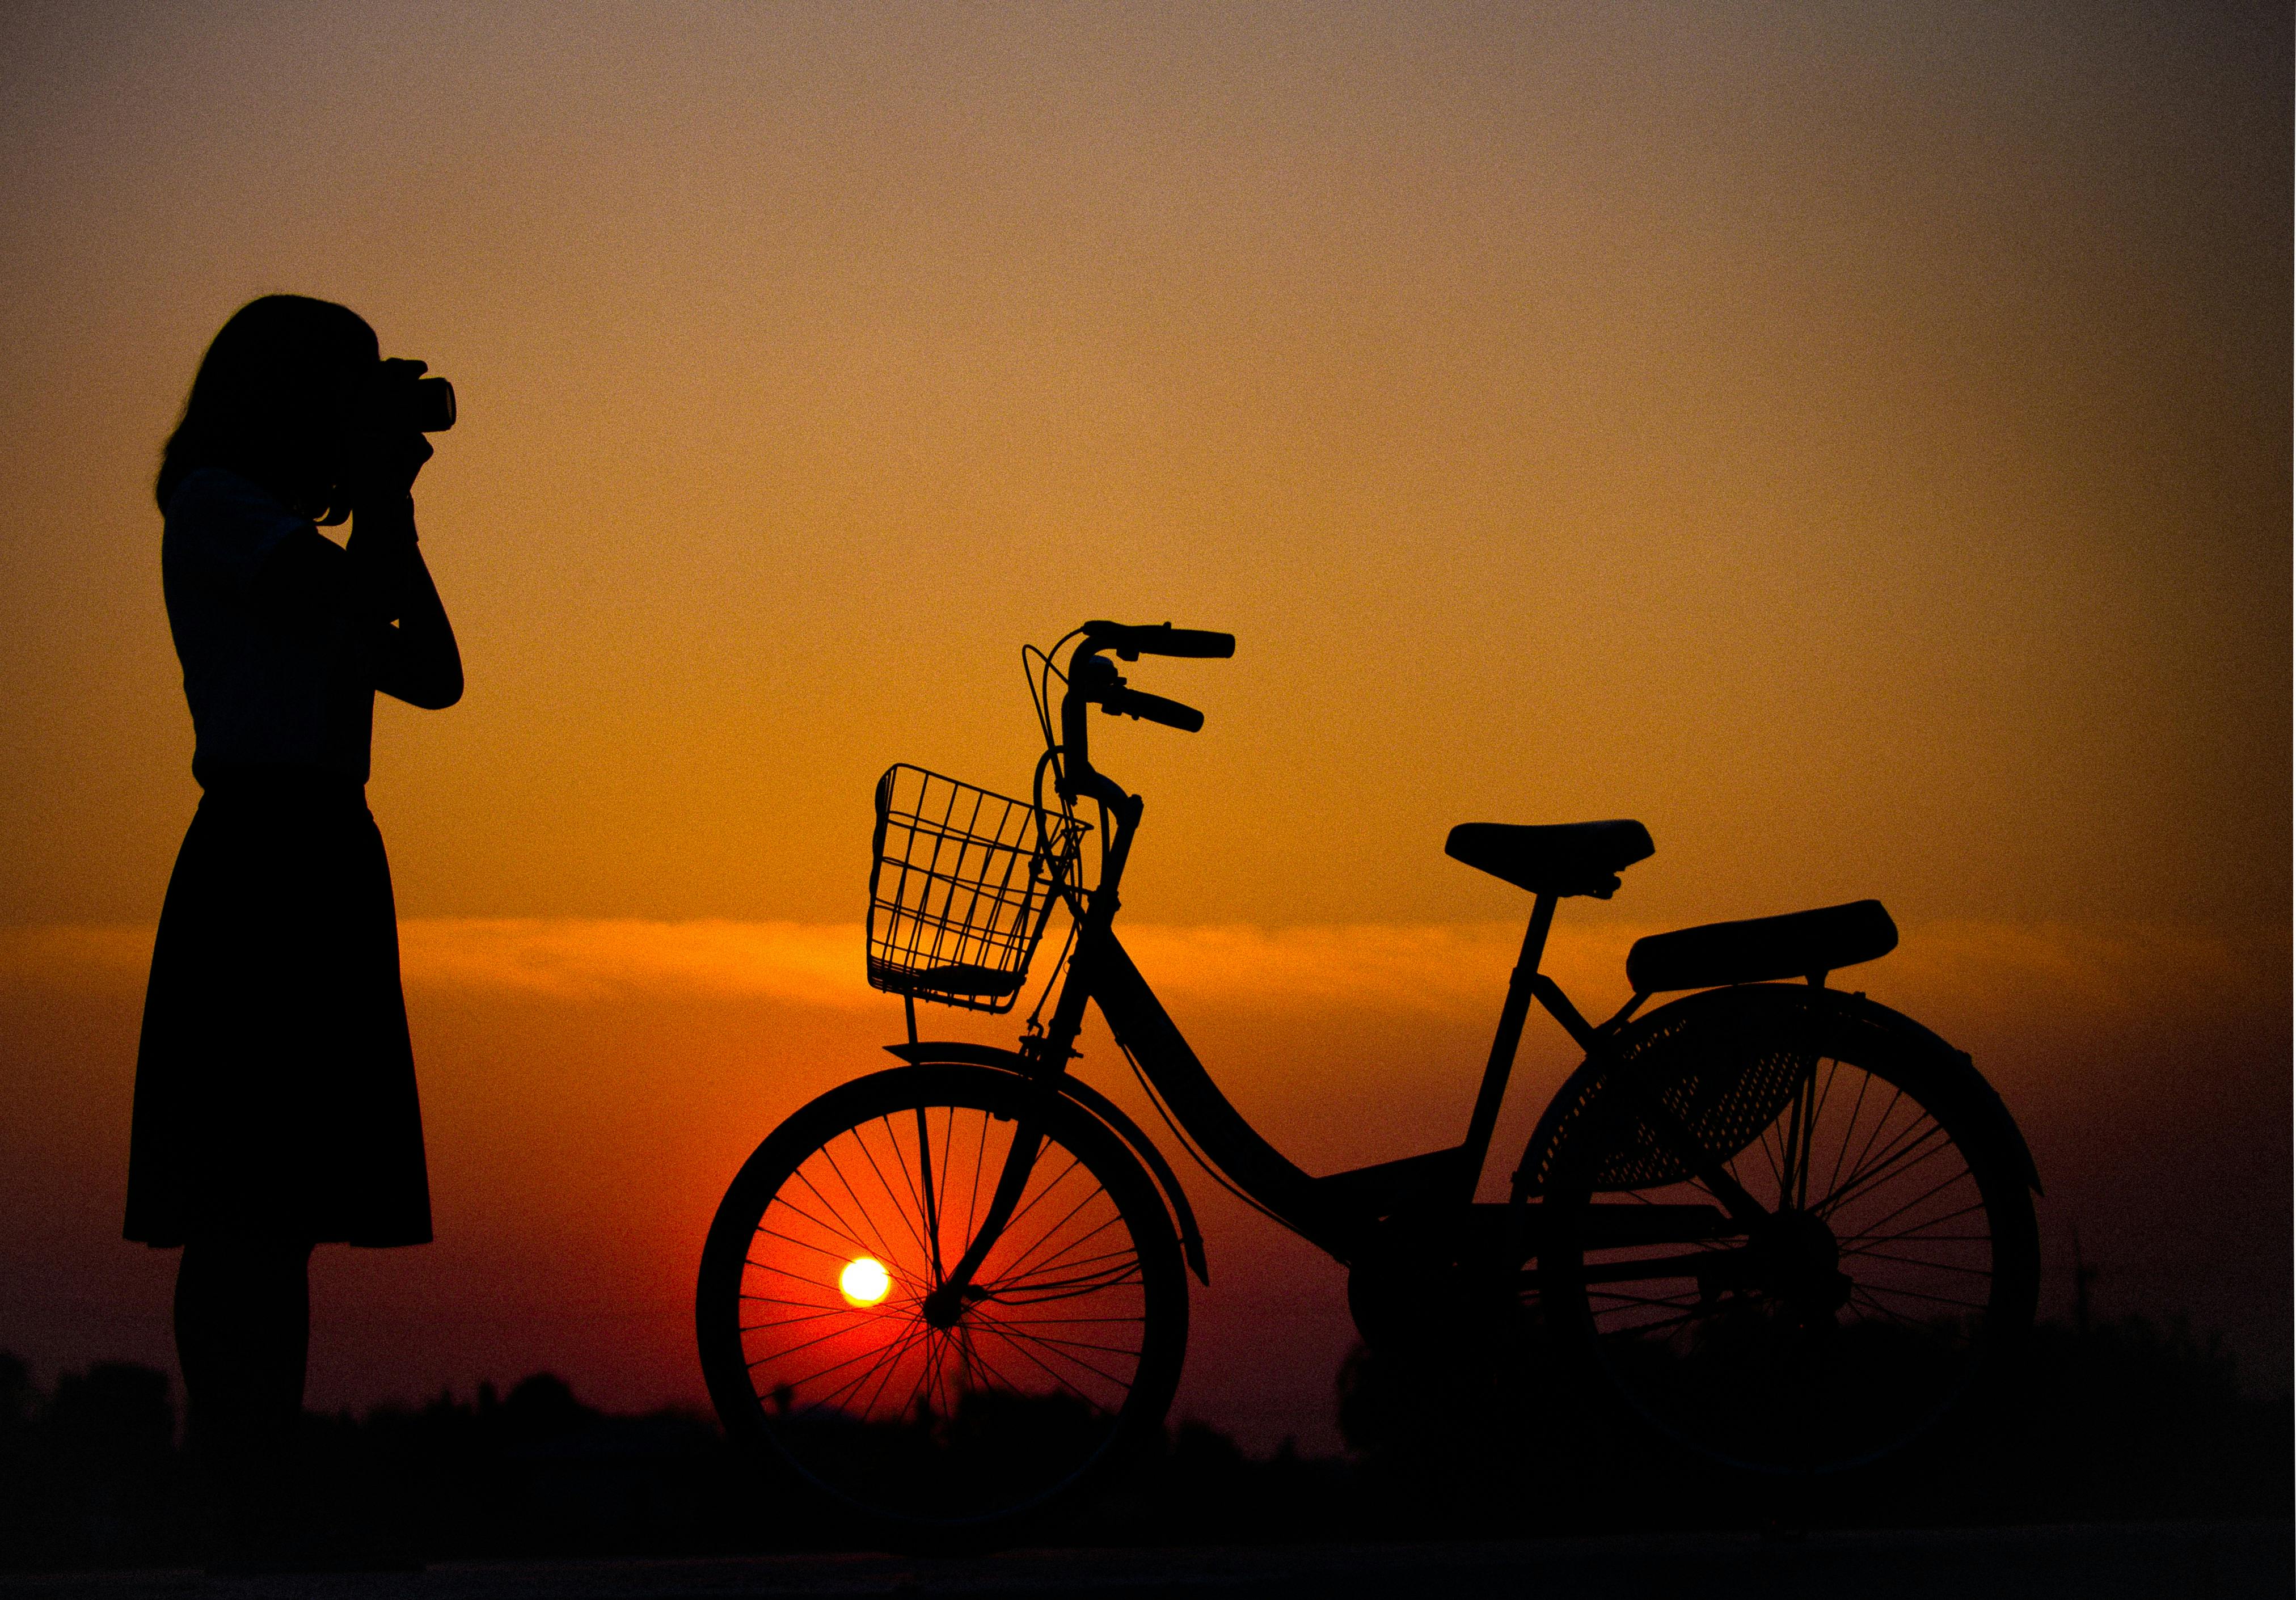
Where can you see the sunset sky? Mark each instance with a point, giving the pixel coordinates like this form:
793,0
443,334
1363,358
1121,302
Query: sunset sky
1854,440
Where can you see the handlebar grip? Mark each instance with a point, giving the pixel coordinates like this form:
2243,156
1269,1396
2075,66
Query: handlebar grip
1132,640
1199,642
1154,708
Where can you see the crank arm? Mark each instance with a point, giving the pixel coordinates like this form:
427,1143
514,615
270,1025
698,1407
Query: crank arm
1725,1267
1614,1224
1713,1269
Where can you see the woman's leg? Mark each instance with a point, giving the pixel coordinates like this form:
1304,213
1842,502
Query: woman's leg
243,1335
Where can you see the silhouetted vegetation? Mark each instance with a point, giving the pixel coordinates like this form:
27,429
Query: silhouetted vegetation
2128,1421
89,1472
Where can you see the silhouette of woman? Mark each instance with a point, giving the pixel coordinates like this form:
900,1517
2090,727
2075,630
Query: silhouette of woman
275,1088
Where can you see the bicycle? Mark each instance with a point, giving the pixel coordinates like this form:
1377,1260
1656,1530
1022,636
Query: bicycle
1786,1226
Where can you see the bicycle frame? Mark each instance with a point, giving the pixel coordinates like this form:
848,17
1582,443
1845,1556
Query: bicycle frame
1336,1212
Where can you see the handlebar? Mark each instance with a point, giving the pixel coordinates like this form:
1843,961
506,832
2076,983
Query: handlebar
1131,641
1154,707
1093,680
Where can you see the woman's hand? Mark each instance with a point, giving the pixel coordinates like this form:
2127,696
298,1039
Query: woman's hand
383,466
382,454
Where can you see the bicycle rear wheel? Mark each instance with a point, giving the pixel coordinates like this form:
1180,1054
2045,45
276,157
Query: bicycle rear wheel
937,1424
1895,1268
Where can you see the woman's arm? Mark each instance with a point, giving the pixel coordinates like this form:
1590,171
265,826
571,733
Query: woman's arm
377,587
415,657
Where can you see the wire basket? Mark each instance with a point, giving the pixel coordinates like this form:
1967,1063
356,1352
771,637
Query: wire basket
961,889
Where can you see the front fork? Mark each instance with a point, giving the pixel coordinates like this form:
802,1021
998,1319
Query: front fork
955,1290
1050,1052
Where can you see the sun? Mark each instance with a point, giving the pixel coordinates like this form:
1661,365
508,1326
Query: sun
864,1282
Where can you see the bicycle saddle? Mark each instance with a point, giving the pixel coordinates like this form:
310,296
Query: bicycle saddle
1572,857
1763,950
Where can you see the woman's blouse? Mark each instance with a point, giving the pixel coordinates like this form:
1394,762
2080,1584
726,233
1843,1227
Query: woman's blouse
273,680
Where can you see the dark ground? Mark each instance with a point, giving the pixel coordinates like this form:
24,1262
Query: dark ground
2126,1459
2151,1561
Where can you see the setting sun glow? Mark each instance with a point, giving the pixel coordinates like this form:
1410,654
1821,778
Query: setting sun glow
864,1282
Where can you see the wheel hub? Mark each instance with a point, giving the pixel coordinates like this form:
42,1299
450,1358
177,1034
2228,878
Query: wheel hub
1800,1262
944,1308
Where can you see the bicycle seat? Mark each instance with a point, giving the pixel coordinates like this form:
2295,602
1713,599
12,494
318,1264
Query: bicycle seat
1763,950
1572,857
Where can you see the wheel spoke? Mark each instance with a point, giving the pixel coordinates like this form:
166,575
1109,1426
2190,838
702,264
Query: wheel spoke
830,1156
1883,1255
1015,1343
1030,1204
876,1248
1871,1229
1913,1323
1056,1347
1896,1095
868,1158
1904,1162
838,1225
1936,1300
891,1367
767,1232
1917,1132
787,1350
1850,1131
1021,1267
972,1197
819,1374
814,1311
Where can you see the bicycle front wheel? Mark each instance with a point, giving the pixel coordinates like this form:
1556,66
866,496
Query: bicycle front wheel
938,1419
1894,1265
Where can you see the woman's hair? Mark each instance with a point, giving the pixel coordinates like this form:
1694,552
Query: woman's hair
266,402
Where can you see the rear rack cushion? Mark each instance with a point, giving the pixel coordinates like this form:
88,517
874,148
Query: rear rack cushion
1802,944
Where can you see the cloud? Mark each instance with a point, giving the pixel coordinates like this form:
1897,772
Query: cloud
70,955
2081,970
1442,968
1445,969
803,964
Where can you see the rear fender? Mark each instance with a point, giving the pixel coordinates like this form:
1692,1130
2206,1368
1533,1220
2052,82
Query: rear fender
1956,1074
1192,1242
1957,1068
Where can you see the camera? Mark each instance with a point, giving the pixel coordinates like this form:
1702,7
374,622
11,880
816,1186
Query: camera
401,396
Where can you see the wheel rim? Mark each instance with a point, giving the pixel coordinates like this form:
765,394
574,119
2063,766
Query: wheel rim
922,1404
1846,1324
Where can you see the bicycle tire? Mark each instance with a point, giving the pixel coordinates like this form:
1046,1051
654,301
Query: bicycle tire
1898,1188
952,1437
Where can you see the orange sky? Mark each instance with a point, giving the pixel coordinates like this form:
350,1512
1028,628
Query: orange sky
1856,443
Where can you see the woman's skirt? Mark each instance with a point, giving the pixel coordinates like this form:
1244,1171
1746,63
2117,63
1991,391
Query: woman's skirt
274,1085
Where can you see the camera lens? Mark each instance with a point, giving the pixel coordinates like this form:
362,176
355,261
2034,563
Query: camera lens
433,405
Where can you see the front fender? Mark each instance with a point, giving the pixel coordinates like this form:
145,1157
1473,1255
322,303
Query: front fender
1183,1216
